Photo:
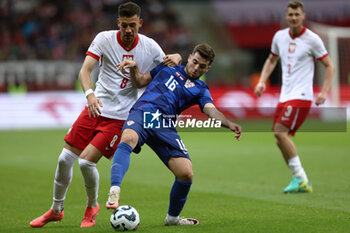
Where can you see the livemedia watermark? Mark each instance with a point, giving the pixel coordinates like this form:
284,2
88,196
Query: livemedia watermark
254,120
156,120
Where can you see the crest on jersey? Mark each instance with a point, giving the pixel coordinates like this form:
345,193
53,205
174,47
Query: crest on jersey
92,44
130,123
291,48
189,83
127,57
179,75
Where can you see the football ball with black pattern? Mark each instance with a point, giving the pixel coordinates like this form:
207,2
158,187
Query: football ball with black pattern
125,218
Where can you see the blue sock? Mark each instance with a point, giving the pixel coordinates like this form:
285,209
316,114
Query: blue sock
178,196
121,161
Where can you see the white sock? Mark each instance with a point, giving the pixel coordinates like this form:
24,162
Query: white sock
63,177
296,168
171,219
91,180
114,188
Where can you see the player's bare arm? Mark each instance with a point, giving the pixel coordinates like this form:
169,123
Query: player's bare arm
211,111
172,59
138,80
328,77
94,103
268,67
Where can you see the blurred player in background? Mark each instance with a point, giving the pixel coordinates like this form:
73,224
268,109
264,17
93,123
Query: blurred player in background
171,90
298,47
97,130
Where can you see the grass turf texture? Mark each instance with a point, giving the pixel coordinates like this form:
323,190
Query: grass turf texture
237,185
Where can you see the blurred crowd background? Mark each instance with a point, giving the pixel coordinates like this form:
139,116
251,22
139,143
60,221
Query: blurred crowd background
43,42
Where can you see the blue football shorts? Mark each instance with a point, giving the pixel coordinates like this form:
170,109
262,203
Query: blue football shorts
165,142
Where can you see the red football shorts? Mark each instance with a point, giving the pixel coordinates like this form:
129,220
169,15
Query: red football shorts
292,114
103,133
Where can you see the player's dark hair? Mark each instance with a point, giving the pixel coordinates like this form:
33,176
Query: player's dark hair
129,9
296,5
206,51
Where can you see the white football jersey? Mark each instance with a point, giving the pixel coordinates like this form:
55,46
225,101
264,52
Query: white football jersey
114,88
298,56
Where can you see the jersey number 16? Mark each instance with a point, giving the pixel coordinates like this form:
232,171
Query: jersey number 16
171,83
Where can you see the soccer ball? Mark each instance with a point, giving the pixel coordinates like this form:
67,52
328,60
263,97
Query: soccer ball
125,218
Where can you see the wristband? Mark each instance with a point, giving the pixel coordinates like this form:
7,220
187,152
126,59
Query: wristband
88,92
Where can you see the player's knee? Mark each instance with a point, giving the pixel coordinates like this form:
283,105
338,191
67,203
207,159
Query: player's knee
185,176
82,164
130,138
64,168
63,162
86,165
189,176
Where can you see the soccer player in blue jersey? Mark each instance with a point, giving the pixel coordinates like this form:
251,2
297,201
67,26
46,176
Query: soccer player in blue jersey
170,91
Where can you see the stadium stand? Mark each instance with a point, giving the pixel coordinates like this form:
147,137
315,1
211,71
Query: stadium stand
43,43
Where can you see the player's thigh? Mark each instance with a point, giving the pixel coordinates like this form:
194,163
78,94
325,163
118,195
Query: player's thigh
280,128
91,153
181,168
72,148
280,131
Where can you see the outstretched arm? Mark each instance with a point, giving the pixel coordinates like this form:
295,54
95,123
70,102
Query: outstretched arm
138,80
268,67
211,111
328,77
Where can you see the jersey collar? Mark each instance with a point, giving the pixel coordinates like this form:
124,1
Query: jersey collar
301,33
121,42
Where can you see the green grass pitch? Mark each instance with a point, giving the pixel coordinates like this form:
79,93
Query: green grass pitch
237,185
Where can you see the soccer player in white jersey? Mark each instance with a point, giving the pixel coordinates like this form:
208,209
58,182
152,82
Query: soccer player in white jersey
298,47
97,130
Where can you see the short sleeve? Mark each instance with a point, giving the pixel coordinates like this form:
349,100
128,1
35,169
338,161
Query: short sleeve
157,53
318,48
274,46
204,98
96,46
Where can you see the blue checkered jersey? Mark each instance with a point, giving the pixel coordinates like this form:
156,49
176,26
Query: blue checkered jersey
171,91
